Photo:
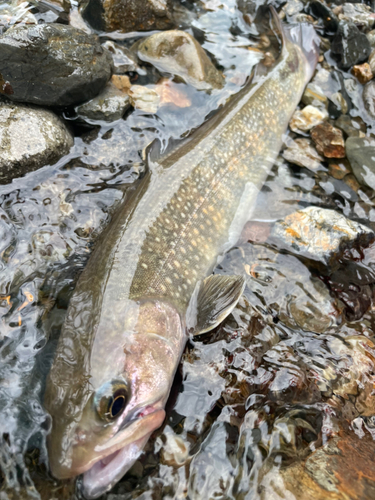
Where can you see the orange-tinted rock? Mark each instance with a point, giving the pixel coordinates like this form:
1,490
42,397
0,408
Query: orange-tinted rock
362,72
328,140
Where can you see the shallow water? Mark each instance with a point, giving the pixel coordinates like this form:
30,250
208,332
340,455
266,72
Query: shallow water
255,400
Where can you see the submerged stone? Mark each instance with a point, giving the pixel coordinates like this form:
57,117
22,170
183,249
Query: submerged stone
315,96
320,234
124,60
52,64
178,53
368,97
307,118
352,127
301,152
359,14
363,73
129,15
361,155
30,138
108,106
144,98
350,46
328,140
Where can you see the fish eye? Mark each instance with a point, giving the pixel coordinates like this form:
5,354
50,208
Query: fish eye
111,400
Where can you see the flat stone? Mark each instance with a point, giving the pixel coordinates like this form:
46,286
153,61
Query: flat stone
339,169
129,15
352,127
144,98
361,155
124,60
109,105
362,72
179,54
307,118
350,46
301,152
30,138
52,64
328,140
320,234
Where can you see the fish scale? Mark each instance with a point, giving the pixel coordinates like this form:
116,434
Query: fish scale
126,325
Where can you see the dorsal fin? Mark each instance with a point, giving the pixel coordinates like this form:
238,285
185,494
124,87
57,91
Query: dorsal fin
278,28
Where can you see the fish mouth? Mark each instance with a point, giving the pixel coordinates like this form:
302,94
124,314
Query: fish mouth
109,468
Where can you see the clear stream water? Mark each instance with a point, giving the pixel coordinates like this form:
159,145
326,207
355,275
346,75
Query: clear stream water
261,408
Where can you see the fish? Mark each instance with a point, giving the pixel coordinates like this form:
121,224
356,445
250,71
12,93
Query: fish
148,284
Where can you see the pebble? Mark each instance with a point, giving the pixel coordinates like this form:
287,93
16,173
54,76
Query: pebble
321,11
362,72
179,54
371,38
33,71
301,152
361,155
293,7
371,62
337,105
358,13
315,96
368,97
320,234
109,105
122,82
307,118
30,138
128,15
328,140
144,98
350,46
339,169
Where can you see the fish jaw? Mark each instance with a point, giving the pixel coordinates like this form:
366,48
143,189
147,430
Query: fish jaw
107,471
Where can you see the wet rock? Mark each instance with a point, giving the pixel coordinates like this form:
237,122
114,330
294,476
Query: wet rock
129,15
371,38
361,155
124,60
352,127
175,450
32,69
337,105
350,46
301,152
108,106
315,96
321,11
328,140
178,53
362,72
144,98
321,235
371,61
359,14
29,139
172,93
368,97
293,7
307,118
121,82
339,169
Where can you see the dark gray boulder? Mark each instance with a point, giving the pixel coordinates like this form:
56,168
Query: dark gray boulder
52,64
350,46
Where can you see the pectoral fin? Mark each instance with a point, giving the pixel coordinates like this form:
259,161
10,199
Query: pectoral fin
213,301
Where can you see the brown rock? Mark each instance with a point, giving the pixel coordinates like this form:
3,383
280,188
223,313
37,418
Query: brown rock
339,169
362,72
122,82
328,140
129,15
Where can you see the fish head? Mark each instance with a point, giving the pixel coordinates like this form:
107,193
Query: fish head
302,37
102,421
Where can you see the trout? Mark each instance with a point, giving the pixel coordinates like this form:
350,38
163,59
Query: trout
147,285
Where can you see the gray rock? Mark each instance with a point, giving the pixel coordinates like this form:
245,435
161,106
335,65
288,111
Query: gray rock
52,64
320,234
361,155
368,97
352,127
30,138
350,46
315,96
109,106
129,15
178,53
